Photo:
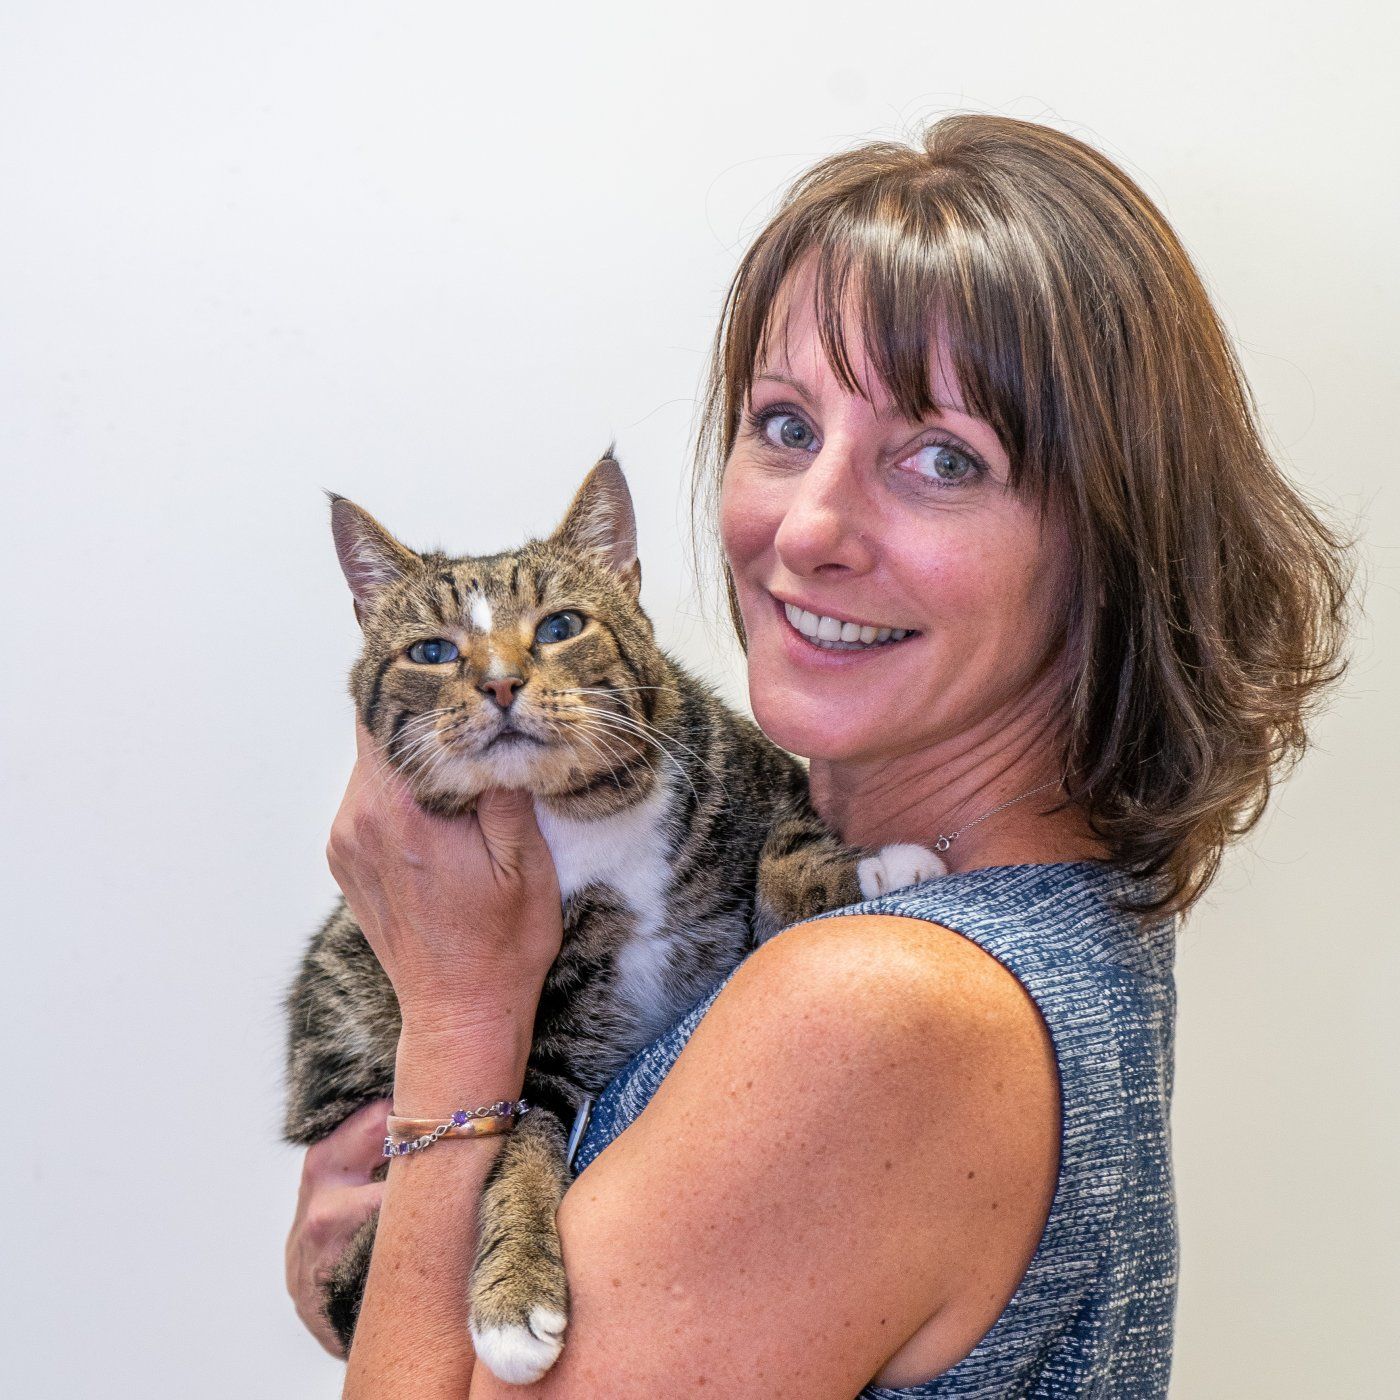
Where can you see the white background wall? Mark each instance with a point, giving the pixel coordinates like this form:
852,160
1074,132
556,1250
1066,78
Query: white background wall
435,256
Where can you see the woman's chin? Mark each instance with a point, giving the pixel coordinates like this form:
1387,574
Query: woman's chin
810,731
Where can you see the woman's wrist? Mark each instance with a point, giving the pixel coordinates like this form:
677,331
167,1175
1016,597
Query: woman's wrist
440,1068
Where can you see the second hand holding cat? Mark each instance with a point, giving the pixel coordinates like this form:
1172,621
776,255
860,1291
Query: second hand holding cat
464,916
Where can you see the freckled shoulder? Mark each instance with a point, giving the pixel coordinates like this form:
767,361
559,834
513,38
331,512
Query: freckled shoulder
915,1019
918,976
900,1012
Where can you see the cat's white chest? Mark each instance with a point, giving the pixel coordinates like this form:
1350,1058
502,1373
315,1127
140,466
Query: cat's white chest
630,853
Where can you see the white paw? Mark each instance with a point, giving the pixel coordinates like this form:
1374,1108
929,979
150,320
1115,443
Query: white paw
520,1355
896,866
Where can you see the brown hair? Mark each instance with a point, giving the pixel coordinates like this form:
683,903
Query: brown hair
1211,601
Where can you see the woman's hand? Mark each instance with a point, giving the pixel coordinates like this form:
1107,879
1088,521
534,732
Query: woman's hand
338,1194
464,917
463,913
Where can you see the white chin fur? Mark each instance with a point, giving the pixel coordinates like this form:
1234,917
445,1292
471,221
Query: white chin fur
521,1355
470,774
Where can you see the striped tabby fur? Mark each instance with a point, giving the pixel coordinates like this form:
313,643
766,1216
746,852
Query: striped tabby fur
682,838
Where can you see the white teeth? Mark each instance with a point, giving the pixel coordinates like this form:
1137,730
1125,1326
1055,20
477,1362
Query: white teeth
843,634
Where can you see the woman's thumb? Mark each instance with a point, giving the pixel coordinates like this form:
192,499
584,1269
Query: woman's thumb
508,826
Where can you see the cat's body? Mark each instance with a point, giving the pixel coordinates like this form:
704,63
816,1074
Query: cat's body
681,838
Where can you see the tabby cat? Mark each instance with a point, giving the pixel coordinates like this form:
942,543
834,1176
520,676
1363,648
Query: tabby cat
681,836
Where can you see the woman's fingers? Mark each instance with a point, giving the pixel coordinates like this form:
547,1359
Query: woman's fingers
509,829
338,1194
355,1148
325,1224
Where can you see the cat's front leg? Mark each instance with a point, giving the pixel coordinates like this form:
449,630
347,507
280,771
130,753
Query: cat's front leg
519,1295
894,867
804,870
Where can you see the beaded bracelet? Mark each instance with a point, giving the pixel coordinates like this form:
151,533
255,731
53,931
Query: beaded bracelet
490,1118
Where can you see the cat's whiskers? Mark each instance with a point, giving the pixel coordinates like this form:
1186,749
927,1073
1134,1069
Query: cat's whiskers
421,732
590,730
651,730
403,754
670,758
434,762
612,689
613,723
427,718
609,759
408,754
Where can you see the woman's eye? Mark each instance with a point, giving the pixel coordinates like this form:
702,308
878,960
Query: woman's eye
939,461
559,627
433,652
787,430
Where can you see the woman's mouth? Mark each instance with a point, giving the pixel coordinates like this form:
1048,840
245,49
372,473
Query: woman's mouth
839,634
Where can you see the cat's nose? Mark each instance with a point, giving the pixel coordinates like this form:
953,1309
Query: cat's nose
502,691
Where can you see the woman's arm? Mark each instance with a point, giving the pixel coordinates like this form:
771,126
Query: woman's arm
413,1322
464,917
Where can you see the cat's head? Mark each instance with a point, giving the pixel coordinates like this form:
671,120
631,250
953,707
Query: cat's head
534,669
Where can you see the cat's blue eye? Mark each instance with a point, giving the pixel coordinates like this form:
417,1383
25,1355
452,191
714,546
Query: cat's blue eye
559,627
433,652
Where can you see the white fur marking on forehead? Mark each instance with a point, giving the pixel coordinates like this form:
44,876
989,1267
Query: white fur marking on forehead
480,613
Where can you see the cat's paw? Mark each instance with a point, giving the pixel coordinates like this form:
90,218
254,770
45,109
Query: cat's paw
521,1353
893,867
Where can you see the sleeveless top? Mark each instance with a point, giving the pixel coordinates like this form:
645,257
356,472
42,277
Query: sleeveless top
1093,1313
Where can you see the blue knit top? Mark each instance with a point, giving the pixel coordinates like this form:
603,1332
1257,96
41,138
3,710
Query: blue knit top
1093,1313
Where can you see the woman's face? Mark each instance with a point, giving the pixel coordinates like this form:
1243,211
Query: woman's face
837,514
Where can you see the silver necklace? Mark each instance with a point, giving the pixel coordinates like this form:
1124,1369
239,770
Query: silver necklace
944,842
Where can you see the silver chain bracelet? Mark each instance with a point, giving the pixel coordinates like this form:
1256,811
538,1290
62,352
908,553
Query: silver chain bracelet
499,1117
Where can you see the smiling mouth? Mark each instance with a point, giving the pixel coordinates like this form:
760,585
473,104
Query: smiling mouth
836,634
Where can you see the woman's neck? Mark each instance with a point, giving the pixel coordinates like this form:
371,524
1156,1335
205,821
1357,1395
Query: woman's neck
920,795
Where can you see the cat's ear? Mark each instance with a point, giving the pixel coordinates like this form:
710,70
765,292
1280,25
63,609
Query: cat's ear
601,521
370,557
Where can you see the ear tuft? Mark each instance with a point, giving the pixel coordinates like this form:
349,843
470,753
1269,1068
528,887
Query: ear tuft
601,521
370,557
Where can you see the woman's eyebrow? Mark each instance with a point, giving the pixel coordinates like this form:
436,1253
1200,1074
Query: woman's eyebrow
787,379
778,377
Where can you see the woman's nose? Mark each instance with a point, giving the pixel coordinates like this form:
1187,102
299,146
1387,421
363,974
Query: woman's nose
826,523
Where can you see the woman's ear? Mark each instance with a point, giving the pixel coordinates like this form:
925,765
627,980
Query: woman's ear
600,521
370,557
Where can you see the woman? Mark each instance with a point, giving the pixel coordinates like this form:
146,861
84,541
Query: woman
974,392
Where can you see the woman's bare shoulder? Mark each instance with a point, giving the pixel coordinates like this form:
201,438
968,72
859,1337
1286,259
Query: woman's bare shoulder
841,1153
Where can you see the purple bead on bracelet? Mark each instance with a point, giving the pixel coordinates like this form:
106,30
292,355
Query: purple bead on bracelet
502,1114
